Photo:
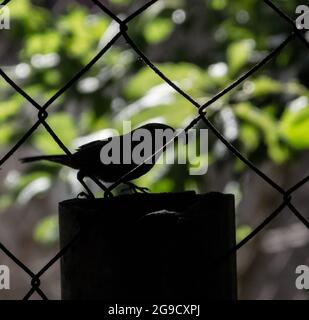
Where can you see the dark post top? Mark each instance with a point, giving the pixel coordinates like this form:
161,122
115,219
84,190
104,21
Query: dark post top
142,247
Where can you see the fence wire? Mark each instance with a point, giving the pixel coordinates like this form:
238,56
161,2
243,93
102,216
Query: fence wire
201,116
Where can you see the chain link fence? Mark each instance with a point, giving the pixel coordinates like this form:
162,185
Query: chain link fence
124,25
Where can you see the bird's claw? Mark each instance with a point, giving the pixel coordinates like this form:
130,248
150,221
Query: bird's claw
141,189
108,194
84,195
135,189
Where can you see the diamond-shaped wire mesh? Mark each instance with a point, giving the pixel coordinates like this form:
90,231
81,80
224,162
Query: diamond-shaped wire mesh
202,116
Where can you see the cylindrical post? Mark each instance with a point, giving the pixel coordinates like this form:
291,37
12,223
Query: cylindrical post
145,247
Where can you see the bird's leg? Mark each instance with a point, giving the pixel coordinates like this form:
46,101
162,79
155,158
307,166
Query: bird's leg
135,188
107,192
89,194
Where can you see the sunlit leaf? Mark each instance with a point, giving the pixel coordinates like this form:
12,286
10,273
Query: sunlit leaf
249,136
188,76
218,4
265,85
63,124
294,127
269,128
6,133
121,2
238,54
42,43
9,107
158,30
46,231
82,32
242,232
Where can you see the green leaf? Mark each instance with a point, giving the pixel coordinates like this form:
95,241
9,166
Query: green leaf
44,43
10,107
81,32
242,232
218,4
6,133
251,114
188,76
249,136
238,55
46,231
20,9
268,126
121,2
163,185
158,30
294,127
174,112
63,124
264,85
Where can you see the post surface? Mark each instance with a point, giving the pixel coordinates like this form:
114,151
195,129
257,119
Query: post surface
146,247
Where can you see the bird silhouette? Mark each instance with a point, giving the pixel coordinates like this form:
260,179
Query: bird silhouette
87,159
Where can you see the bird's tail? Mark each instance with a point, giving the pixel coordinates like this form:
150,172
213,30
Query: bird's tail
61,159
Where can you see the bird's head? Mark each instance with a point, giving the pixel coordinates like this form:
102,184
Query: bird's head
160,131
159,128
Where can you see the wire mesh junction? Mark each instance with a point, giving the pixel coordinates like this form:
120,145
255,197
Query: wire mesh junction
123,28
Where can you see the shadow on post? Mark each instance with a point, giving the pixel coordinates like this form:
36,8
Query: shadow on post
147,247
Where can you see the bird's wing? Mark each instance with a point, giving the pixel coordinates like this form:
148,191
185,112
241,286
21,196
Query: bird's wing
93,144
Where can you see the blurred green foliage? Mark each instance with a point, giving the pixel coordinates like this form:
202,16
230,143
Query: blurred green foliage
200,45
